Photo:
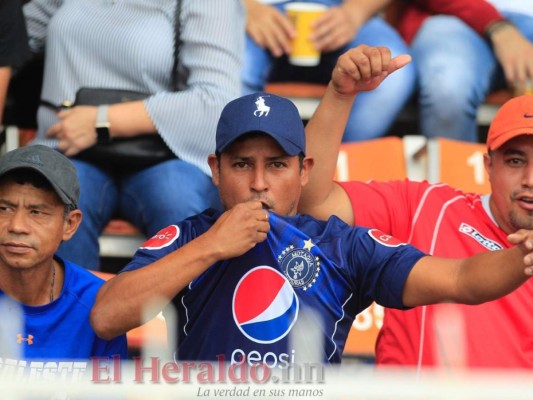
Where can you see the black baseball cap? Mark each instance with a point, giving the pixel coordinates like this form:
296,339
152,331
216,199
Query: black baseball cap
51,164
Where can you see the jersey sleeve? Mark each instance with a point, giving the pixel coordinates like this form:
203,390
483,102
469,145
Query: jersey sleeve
388,206
381,265
162,243
171,238
476,14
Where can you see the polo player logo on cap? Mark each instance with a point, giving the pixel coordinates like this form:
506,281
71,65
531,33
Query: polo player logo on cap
262,108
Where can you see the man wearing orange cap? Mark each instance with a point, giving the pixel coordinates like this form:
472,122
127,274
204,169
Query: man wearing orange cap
439,220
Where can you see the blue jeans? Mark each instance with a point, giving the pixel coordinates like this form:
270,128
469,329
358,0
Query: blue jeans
373,112
151,199
457,68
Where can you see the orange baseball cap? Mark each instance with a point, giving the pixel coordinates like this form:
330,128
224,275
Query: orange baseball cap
513,119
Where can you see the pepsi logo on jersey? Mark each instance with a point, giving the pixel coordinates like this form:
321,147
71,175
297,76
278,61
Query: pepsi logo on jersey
265,308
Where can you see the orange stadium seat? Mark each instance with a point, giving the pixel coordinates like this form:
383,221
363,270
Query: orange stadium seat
458,164
296,89
362,337
377,159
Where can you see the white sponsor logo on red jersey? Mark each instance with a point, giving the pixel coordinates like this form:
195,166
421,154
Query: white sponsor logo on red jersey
163,238
385,239
482,240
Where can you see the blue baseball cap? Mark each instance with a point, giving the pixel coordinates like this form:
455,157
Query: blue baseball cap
275,116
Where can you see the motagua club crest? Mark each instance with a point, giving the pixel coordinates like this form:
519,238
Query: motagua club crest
300,266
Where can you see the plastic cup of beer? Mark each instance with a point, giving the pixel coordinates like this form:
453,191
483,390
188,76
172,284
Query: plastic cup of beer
302,15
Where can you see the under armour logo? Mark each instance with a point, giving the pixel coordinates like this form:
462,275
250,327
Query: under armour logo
21,339
262,108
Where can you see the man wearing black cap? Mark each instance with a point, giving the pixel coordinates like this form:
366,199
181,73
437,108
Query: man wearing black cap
39,193
244,280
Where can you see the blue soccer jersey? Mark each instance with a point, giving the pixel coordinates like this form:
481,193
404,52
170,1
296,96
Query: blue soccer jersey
246,307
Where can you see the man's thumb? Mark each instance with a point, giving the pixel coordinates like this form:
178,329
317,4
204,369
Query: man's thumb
399,62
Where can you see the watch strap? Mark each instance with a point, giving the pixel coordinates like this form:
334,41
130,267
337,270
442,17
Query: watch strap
102,125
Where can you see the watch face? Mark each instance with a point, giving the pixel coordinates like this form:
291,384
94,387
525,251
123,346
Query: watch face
102,135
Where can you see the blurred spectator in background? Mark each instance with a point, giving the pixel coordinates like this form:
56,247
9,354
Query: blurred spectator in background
13,44
346,24
461,58
130,45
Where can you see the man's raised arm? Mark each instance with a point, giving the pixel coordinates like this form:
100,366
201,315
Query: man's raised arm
358,70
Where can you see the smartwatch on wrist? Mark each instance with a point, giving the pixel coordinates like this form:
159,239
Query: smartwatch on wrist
102,125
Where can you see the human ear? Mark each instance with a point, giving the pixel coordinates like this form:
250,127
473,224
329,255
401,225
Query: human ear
307,166
214,164
71,223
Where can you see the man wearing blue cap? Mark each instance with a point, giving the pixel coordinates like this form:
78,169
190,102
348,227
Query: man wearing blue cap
244,280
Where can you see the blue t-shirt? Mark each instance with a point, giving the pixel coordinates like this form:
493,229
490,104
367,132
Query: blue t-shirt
248,305
61,329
